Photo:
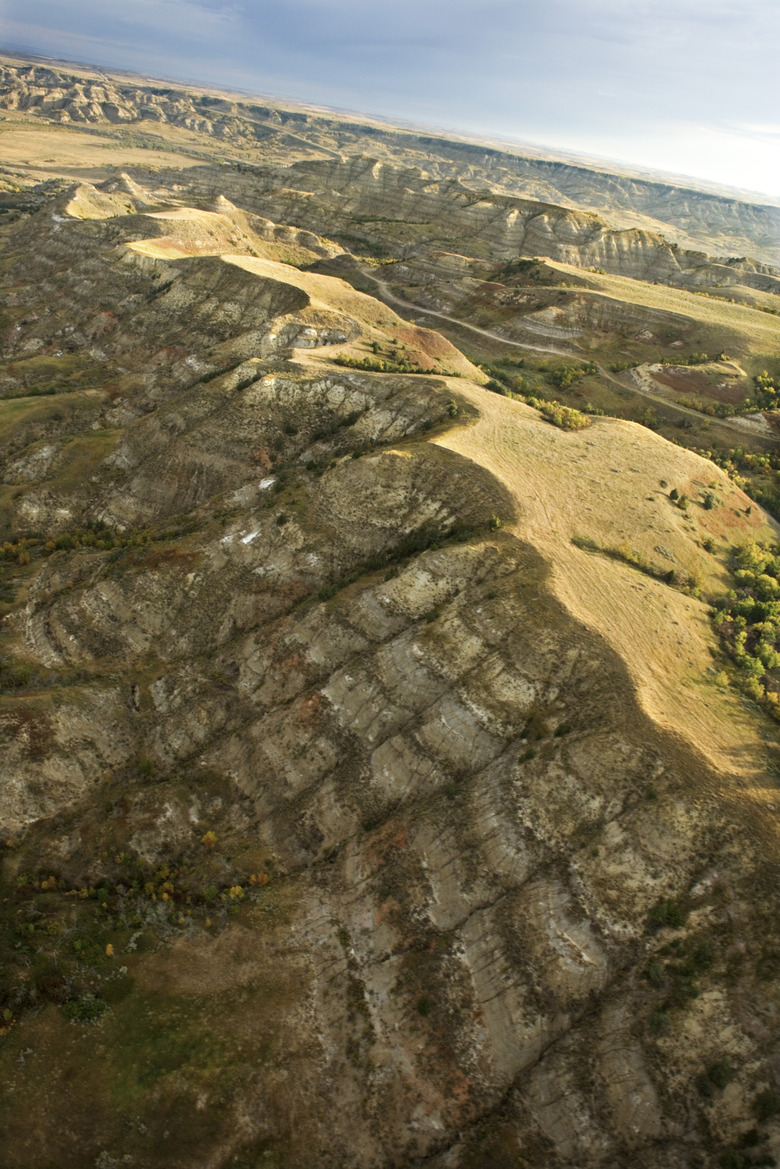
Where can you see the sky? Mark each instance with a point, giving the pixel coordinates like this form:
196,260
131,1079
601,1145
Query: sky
687,86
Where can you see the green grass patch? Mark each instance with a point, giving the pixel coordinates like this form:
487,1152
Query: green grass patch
82,456
158,1035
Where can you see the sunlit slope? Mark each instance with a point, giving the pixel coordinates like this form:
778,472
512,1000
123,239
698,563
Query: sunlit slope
748,330
609,484
586,311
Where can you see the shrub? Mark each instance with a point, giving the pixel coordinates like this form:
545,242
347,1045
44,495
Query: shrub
655,972
701,958
666,914
720,1074
564,417
86,1009
565,376
660,1022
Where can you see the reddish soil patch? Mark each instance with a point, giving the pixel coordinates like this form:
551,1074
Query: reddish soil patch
423,345
692,381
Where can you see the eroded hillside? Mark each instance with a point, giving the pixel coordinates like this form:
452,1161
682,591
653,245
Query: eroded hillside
694,218
372,790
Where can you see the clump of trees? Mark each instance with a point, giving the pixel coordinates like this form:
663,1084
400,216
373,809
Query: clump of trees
564,376
504,378
385,365
748,621
565,417
767,390
762,479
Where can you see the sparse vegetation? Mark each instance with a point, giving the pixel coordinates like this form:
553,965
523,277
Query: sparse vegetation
391,365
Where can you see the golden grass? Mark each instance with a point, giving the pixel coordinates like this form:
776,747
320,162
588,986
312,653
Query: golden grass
603,484
759,332
61,150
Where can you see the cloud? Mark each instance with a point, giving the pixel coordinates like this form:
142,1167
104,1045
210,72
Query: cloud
763,130
575,72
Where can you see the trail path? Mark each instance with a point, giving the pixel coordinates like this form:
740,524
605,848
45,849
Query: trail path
408,304
658,398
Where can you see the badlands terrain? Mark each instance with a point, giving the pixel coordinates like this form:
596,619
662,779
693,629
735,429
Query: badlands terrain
388,667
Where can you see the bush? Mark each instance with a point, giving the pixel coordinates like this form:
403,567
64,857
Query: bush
565,376
666,914
720,1074
562,416
731,1159
655,972
86,1009
701,958
660,1022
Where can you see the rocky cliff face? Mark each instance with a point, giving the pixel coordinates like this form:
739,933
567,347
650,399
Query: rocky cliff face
339,828
380,208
